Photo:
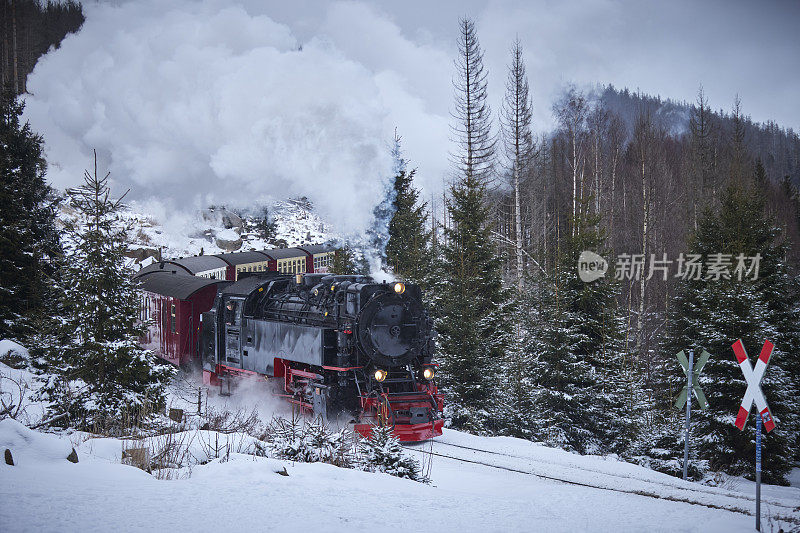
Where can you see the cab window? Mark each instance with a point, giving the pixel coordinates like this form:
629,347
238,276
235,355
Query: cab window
232,313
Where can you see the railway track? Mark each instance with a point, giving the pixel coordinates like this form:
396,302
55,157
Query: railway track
780,511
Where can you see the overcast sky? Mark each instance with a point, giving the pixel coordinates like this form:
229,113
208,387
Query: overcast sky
661,47
199,101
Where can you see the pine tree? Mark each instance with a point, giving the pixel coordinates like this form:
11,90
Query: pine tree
408,251
382,452
470,302
29,245
711,314
703,163
344,261
738,160
583,392
98,373
517,411
264,226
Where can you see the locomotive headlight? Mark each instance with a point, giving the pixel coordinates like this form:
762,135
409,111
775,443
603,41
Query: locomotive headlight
428,373
399,288
380,375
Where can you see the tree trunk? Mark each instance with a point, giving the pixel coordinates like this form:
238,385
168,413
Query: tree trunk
613,190
597,174
518,226
645,210
574,181
14,43
5,45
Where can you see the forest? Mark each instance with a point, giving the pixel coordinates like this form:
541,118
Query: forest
652,186
30,28
526,347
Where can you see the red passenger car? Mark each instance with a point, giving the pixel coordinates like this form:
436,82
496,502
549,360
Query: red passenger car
172,305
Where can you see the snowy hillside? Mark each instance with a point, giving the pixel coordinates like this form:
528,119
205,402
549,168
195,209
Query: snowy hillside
217,229
478,484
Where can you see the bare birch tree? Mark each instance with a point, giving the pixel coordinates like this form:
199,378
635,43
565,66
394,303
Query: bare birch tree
571,111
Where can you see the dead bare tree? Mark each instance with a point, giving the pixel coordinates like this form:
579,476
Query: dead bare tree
515,121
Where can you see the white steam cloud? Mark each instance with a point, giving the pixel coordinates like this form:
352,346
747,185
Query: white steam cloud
194,103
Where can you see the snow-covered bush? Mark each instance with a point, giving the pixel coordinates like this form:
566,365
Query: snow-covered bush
661,449
312,441
383,453
309,441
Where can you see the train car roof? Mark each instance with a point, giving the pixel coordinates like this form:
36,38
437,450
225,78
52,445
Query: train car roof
317,248
242,258
163,266
201,263
284,253
174,285
246,285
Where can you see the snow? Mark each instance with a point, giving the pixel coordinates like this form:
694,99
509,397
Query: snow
44,491
227,235
478,484
181,234
7,346
30,447
794,477
18,388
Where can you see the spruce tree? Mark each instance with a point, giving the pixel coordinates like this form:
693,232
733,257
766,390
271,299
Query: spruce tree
471,301
583,388
408,251
344,261
517,409
516,118
98,373
29,244
471,307
712,313
265,227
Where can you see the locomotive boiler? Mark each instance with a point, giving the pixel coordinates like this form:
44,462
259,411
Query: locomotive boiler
337,344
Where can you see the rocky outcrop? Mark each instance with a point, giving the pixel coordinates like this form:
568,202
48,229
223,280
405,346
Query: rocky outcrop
229,240
140,254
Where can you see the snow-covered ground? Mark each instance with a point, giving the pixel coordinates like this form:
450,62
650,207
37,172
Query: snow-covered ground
479,484
794,477
45,492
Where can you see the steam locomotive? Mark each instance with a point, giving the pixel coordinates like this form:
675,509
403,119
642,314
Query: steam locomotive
338,344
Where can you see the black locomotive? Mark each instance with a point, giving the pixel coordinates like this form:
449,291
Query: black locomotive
341,344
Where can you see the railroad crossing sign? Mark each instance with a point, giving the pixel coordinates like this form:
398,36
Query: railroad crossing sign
753,378
698,392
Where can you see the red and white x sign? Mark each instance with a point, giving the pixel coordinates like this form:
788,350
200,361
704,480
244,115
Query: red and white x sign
753,378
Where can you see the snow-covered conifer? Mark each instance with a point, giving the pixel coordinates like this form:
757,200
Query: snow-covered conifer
583,394
408,251
711,314
382,452
97,372
471,301
29,244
